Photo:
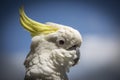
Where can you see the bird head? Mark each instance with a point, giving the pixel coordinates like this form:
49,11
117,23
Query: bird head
55,44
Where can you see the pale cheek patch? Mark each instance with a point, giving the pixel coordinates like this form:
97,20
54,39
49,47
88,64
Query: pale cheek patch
63,57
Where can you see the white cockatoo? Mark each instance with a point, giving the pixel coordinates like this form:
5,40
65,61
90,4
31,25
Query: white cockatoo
54,49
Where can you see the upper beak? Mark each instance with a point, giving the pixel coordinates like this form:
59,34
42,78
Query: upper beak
78,56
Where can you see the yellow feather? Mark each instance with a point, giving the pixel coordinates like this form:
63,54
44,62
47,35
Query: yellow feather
34,27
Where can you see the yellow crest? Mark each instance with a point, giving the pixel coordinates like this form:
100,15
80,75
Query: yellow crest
34,27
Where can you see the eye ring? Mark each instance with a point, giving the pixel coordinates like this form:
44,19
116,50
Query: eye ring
60,41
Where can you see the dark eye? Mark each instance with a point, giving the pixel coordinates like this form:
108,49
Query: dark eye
61,42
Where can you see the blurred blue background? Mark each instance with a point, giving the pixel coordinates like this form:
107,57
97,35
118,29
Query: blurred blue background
96,20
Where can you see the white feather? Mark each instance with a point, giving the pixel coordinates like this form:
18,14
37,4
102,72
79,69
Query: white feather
46,60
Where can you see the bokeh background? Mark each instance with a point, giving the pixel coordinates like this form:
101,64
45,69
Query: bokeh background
97,20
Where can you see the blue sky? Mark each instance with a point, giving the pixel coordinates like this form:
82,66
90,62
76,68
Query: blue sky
88,19
97,21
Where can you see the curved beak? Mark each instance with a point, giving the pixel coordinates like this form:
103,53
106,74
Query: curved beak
78,56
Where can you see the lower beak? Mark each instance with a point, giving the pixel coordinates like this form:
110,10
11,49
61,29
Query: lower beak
78,56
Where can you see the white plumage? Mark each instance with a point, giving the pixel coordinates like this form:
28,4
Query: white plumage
52,53
48,60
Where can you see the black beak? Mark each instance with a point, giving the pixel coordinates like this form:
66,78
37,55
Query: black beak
78,56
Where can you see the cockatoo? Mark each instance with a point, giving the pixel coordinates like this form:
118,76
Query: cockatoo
54,49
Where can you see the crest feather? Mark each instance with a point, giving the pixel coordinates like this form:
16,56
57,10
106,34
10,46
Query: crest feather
34,27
